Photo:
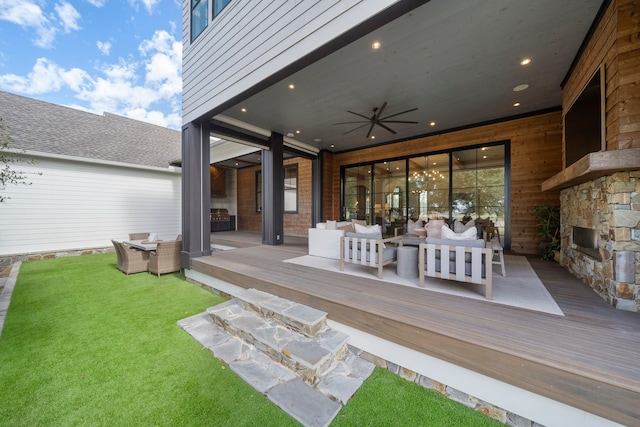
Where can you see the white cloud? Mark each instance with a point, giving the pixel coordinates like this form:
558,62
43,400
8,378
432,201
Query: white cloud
68,16
104,47
149,5
29,15
44,78
97,3
148,89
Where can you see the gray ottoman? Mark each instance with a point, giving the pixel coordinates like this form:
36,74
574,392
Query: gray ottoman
407,264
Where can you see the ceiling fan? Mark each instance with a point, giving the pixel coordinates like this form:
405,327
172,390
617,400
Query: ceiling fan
376,119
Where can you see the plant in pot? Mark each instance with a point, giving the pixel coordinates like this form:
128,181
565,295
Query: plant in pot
548,230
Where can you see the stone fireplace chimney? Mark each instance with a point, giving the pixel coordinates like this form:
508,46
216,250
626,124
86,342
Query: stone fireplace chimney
601,191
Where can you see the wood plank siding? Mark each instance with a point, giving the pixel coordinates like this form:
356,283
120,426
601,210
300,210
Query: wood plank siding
586,359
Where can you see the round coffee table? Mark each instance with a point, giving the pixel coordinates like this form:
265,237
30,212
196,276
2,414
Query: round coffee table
407,263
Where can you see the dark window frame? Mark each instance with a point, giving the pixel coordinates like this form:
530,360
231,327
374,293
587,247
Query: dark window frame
258,192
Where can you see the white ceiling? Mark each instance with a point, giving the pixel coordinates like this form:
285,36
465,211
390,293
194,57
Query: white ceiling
456,61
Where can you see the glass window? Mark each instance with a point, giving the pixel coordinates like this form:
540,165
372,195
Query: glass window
389,195
429,187
357,193
218,5
454,184
290,189
199,18
479,184
259,191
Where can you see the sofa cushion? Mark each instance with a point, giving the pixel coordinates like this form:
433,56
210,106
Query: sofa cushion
368,229
370,236
477,243
468,234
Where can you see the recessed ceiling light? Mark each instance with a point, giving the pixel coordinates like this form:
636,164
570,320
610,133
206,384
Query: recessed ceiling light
520,88
525,61
297,131
432,124
332,146
376,45
373,137
244,110
236,163
292,86
484,157
516,104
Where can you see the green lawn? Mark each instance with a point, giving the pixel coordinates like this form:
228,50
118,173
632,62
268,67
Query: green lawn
85,345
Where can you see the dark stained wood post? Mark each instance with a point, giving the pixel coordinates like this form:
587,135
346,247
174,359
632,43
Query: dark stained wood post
273,192
316,190
196,193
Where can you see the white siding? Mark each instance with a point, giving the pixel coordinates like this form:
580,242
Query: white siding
251,40
79,204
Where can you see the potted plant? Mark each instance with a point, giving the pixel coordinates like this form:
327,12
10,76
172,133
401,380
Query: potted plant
548,230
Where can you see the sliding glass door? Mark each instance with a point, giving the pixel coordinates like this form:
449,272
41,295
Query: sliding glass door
458,184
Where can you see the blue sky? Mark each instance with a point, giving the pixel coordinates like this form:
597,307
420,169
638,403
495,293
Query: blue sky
119,56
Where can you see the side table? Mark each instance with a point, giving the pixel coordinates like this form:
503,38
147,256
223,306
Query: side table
407,263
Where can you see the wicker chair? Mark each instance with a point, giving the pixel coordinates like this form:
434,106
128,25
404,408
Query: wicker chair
118,251
138,236
131,260
166,257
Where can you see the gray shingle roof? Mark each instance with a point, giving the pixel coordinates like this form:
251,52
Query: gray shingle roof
50,128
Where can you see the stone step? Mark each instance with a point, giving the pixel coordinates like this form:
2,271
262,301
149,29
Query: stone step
306,320
310,357
311,404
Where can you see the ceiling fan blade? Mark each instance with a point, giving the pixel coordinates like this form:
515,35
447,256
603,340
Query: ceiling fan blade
370,129
382,125
359,127
397,114
396,121
379,112
360,115
351,123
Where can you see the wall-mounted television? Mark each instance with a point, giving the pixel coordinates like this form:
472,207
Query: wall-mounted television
584,122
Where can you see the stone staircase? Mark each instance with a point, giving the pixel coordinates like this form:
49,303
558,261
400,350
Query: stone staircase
285,350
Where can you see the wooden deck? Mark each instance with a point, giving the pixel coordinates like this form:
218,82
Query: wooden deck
588,359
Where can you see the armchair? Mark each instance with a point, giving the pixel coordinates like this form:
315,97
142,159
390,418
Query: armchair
368,249
130,260
166,257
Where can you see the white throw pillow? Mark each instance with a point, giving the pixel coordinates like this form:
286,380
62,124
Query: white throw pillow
470,234
459,227
411,225
370,229
332,225
321,226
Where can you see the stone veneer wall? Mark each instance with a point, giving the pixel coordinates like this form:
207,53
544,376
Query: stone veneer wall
610,204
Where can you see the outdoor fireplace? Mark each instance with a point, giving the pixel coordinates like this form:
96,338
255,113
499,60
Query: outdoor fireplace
600,236
585,240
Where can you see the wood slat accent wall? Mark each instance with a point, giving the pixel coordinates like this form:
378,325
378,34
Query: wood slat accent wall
616,44
536,145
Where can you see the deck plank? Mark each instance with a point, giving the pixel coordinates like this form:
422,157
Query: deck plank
587,359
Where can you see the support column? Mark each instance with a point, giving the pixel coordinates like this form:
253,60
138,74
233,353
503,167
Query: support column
196,193
316,189
273,192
